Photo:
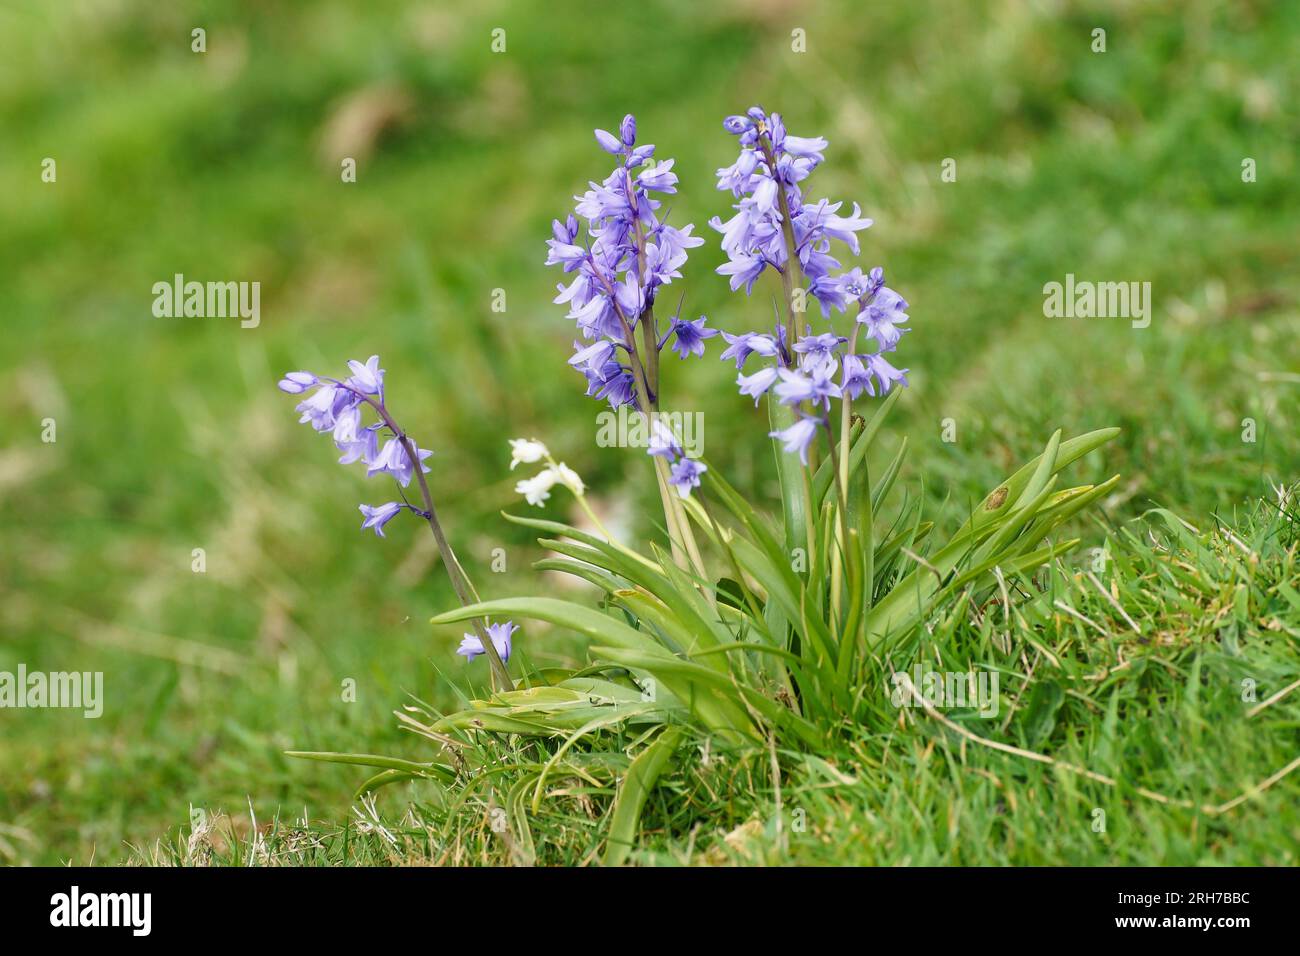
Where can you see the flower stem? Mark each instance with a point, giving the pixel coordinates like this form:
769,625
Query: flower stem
460,582
685,551
842,480
798,513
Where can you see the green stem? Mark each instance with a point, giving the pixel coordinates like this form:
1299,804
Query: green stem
796,501
460,582
842,479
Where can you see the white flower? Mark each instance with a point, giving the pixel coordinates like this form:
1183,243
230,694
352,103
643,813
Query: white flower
569,478
526,450
538,488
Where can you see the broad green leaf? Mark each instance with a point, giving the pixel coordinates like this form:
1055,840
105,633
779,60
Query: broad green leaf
632,792
710,695
999,500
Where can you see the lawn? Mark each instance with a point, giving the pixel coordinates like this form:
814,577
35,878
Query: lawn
1122,165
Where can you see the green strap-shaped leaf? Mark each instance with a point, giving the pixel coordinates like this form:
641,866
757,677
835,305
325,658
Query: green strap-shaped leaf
379,761
1007,494
586,621
714,699
632,793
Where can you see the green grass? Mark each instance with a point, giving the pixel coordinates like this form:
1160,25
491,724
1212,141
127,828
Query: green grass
1123,165
1167,686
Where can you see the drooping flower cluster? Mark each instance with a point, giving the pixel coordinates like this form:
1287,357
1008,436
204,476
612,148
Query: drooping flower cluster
537,489
336,406
620,256
774,225
765,178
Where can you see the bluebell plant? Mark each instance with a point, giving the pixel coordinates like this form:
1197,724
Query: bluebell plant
618,253
745,629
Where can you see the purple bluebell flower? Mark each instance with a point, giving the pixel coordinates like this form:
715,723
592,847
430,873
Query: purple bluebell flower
665,254
856,378
500,635
297,382
844,228
663,442
323,407
853,285
364,447
735,125
612,382
818,352
599,317
639,156
347,424
875,280
798,436
885,373
685,475
774,225
318,409
881,316
592,356
741,347
659,178
744,270
565,232
368,378
758,383
690,336
816,387
609,142
392,458
830,293
805,147
379,516
566,254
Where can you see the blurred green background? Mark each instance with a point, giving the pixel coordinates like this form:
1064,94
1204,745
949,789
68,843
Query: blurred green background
225,165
